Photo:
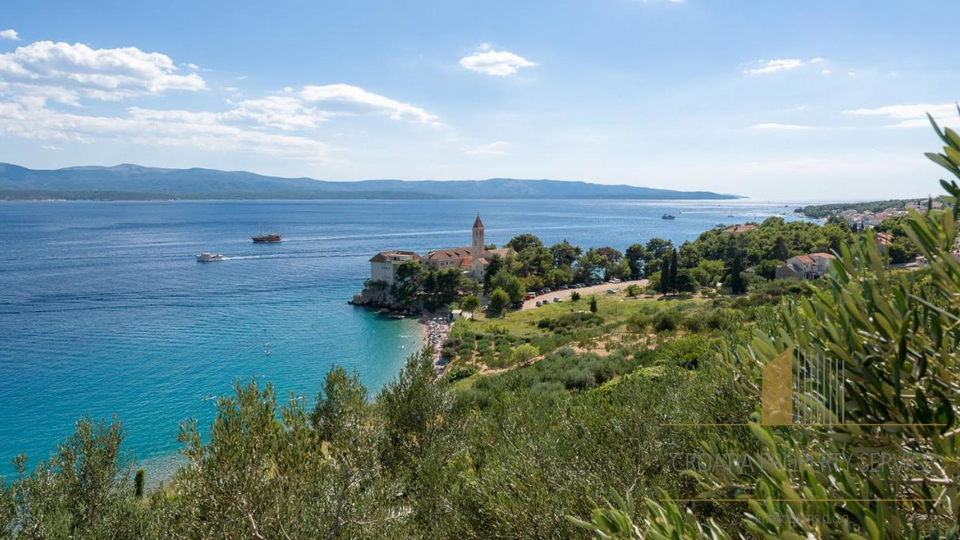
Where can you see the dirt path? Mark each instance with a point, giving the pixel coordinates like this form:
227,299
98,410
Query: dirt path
585,291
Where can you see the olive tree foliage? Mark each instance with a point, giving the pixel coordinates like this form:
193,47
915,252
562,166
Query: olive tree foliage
282,472
897,336
83,490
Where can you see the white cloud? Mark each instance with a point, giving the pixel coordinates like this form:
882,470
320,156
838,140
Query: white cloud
38,79
491,62
773,126
825,72
355,99
67,72
282,112
775,66
496,148
909,116
9,34
177,128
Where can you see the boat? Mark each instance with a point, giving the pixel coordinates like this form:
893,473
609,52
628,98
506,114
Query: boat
209,257
668,216
268,238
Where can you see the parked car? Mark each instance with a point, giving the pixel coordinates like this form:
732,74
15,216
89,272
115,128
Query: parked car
611,291
517,305
615,280
545,301
539,303
547,290
557,299
529,296
563,287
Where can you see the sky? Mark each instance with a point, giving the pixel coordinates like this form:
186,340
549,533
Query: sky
813,100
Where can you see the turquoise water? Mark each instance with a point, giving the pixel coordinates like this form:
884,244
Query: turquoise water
104,311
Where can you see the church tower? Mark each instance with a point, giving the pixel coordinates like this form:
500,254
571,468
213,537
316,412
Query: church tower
477,249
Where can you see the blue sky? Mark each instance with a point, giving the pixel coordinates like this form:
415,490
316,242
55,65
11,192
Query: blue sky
801,100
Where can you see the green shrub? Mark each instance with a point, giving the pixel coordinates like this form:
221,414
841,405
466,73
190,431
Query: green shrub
666,321
688,352
460,373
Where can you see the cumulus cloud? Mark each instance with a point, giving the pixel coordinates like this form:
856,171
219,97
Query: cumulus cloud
37,81
775,66
495,148
773,126
68,72
908,116
491,62
10,34
31,118
353,99
283,112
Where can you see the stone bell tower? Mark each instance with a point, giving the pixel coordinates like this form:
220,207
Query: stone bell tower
477,249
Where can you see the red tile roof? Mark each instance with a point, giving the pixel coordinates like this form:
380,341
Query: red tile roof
452,253
739,229
383,255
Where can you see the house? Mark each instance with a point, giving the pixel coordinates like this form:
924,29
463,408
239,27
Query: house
383,265
471,259
883,239
810,266
737,229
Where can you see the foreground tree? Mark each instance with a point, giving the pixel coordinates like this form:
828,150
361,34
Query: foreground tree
895,338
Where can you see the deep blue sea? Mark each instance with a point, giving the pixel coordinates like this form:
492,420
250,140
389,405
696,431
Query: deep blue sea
105,312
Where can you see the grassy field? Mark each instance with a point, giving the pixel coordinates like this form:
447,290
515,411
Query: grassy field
492,343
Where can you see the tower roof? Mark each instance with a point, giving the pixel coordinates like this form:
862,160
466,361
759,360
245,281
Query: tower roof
478,223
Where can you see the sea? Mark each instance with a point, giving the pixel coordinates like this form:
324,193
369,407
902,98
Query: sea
105,313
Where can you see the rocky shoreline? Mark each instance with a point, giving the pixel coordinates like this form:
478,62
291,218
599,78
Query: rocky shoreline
378,299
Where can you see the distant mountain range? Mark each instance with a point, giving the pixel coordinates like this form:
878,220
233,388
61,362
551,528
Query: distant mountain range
133,182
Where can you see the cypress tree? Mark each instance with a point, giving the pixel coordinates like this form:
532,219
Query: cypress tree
665,276
736,279
673,271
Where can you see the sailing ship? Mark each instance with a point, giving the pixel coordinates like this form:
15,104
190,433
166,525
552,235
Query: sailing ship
268,238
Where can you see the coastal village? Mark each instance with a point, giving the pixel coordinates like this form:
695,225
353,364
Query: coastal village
859,220
472,260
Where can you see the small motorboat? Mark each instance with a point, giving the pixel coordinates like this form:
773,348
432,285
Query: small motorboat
210,257
668,216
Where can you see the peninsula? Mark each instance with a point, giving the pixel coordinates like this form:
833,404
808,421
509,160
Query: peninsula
134,182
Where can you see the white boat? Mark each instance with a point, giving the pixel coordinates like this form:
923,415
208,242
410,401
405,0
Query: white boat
209,257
